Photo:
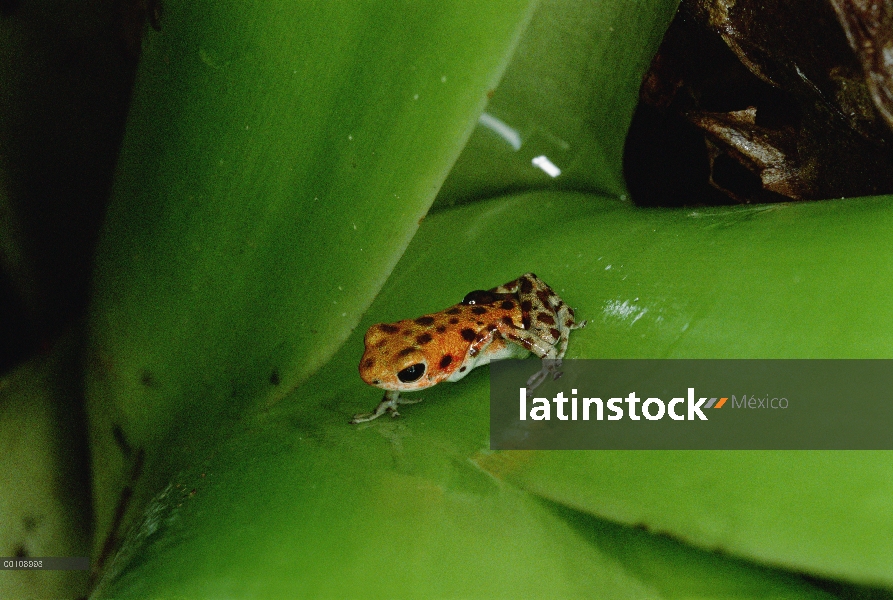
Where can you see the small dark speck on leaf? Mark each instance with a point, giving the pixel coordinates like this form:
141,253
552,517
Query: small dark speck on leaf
274,377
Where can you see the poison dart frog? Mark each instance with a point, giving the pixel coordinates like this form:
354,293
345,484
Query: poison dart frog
510,321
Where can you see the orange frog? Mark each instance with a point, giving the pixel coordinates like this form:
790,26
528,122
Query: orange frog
509,321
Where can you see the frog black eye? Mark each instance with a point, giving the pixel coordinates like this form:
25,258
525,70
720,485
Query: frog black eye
411,373
479,297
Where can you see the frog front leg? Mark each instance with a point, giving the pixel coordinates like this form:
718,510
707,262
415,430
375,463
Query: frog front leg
388,404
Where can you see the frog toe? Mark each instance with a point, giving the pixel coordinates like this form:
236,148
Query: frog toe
362,418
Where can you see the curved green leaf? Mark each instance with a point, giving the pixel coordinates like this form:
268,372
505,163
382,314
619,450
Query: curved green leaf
568,95
277,161
299,502
781,281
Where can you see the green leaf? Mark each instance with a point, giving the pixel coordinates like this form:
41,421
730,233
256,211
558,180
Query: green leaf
297,502
277,161
300,503
826,513
568,95
795,280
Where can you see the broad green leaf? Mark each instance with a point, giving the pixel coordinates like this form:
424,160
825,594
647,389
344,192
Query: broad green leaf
277,160
826,513
795,280
298,502
568,95
289,509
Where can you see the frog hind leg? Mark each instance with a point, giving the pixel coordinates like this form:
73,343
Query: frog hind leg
565,315
546,324
545,298
388,404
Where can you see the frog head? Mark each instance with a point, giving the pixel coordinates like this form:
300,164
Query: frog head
390,362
